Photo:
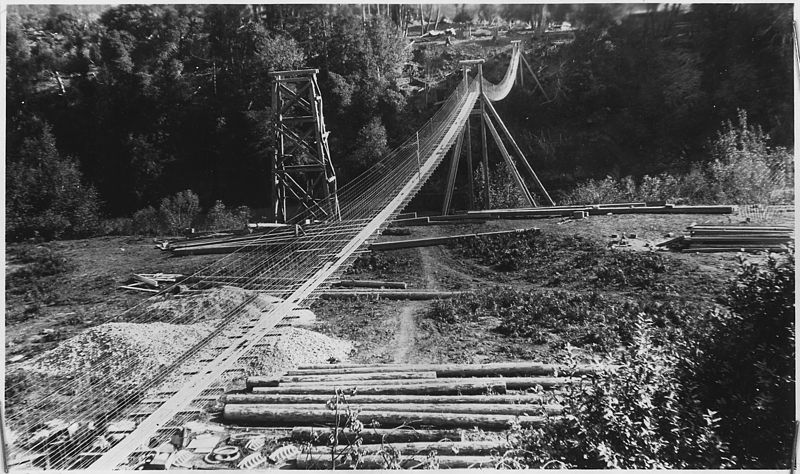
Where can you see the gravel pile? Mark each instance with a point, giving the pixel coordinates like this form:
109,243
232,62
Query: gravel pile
298,347
133,350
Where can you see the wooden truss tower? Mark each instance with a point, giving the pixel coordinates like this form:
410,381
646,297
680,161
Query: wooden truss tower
515,159
301,166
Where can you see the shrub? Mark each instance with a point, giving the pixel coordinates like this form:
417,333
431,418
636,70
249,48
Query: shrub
45,195
117,226
504,193
219,217
42,267
180,211
146,221
743,364
634,417
560,317
572,260
745,170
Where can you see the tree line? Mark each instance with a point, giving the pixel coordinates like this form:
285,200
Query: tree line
110,110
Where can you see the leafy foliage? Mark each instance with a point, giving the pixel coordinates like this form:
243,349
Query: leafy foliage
637,416
743,365
744,170
180,211
560,317
220,217
570,261
45,194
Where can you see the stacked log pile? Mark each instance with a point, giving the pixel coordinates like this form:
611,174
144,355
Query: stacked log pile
721,238
412,410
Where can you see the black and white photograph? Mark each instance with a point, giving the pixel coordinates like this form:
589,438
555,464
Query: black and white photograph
328,236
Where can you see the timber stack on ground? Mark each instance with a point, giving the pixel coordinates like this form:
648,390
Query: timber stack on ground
721,238
413,409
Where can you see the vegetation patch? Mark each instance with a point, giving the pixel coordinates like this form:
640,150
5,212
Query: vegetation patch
571,261
592,320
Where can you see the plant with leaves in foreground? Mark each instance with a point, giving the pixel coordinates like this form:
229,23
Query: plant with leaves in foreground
636,416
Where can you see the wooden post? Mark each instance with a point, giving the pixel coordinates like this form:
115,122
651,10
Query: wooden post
484,149
530,70
519,153
470,171
451,178
517,177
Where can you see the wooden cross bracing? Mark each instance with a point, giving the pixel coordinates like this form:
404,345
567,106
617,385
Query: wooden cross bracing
488,118
301,166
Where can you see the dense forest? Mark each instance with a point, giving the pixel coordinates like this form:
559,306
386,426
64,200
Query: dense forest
111,110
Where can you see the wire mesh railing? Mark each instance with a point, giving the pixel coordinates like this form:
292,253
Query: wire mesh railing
272,265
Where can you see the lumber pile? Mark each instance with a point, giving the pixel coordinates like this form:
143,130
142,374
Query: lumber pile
415,409
599,210
722,238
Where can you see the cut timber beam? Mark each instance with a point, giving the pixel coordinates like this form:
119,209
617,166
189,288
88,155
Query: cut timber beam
415,295
514,171
506,369
374,462
316,435
431,241
251,398
451,178
399,285
462,448
519,153
258,415
464,387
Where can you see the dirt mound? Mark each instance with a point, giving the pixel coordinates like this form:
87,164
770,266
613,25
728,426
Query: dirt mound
210,304
299,347
120,349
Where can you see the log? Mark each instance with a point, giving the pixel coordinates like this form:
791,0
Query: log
316,435
432,241
412,221
455,408
371,284
466,387
512,383
320,461
454,370
461,448
262,382
407,215
358,399
356,378
260,415
734,249
417,295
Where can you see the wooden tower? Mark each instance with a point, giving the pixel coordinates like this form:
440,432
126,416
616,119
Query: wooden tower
301,166
515,159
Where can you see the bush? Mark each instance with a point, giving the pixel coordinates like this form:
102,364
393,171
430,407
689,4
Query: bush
743,364
180,211
41,268
743,170
504,193
635,417
562,317
117,226
45,195
146,221
221,218
561,260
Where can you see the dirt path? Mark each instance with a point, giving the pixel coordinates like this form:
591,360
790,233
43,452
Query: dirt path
405,338
404,341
